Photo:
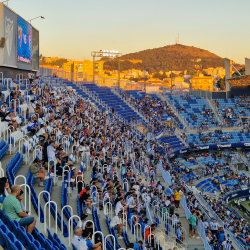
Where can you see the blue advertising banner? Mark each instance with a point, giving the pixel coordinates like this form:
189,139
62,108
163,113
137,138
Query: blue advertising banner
178,152
241,195
9,20
24,41
166,118
224,145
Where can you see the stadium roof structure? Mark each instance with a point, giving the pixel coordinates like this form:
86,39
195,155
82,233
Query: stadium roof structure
239,80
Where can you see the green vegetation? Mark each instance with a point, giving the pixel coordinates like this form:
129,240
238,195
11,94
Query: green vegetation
58,62
174,57
242,71
221,83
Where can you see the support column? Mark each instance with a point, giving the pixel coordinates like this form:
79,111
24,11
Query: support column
247,66
228,68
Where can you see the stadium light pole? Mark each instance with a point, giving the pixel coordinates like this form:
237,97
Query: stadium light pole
106,53
36,18
7,2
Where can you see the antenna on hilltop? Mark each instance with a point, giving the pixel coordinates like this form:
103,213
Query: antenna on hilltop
177,39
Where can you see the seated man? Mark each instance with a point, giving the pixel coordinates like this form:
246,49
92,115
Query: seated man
84,243
12,208
32,127
10,119
42,133
117,224
38,172
85,199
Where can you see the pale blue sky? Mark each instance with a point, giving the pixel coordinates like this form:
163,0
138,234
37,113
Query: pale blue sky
74,28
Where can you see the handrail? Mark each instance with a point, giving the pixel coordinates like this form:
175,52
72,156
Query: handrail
70,220
71,209
54,175
1,169
37,149
97,201
98,232
48,203
22,176
109,205
27,186
39,203
137,224
105,242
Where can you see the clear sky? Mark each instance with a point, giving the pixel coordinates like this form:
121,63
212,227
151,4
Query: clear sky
74,28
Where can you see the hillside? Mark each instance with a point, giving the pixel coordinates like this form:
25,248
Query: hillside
175,57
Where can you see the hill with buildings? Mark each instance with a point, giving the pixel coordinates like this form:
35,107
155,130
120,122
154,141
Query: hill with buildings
172,57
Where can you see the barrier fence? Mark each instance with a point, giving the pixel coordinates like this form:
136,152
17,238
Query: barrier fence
200,226
165,174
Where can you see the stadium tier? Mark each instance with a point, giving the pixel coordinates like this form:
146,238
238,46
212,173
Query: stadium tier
88,174
195,110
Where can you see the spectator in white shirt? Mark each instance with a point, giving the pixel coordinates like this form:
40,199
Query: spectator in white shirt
42,132
120,205
51,152
116,223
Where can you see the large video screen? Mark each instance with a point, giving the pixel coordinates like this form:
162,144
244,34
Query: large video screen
24,41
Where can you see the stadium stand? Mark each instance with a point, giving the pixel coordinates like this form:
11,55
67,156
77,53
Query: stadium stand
83,161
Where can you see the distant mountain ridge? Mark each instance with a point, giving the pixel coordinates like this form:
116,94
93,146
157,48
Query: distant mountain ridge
172,57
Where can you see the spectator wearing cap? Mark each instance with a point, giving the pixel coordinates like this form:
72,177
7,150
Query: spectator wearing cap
12,208
82,222
117,224
38,171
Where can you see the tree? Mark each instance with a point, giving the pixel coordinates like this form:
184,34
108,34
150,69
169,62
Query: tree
191,72
242,72
157,75
221,83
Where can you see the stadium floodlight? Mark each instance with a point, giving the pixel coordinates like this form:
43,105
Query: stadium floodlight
106,53
36,18
7,2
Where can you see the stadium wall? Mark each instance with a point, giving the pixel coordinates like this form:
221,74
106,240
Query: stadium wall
240,90
12,72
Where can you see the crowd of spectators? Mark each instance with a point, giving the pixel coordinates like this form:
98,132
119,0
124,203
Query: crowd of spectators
97,135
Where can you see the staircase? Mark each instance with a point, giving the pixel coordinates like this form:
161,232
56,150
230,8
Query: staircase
215,110
129,104
181,119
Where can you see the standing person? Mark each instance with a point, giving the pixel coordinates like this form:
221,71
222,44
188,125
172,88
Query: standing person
51,153
171,209
177,199
117,224
214,227
193,221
